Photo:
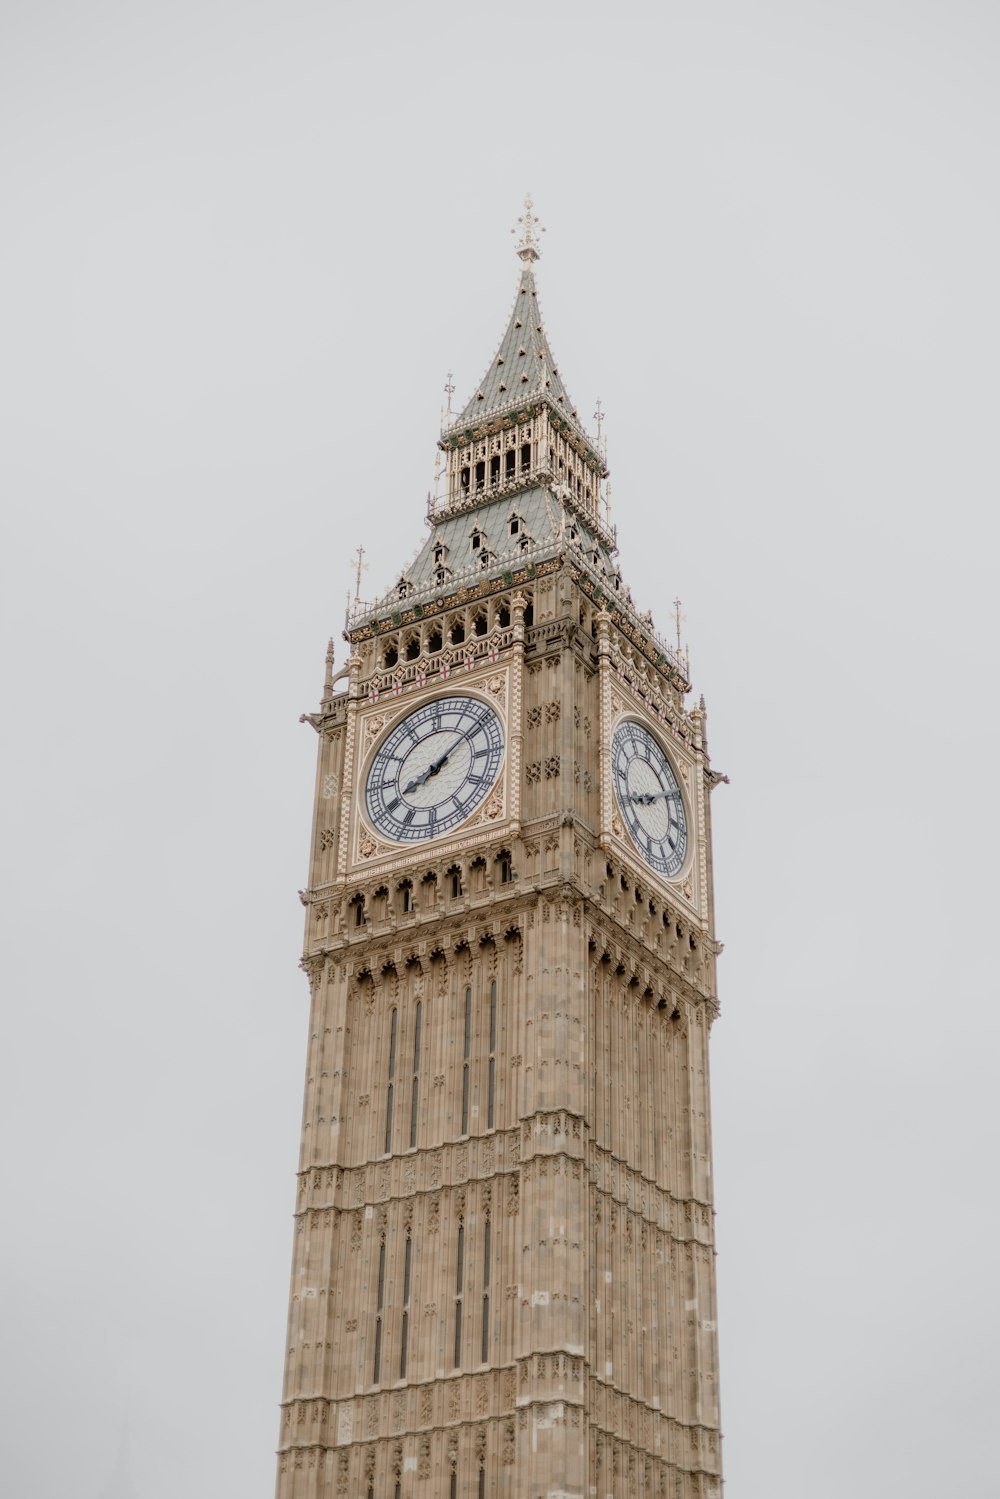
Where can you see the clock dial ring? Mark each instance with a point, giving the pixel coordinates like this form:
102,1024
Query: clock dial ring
649,798
433,768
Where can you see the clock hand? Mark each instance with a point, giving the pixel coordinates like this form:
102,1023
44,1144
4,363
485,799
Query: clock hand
438,764
433,768
646,798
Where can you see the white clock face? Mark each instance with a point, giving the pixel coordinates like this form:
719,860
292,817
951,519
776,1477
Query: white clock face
434,768
650,798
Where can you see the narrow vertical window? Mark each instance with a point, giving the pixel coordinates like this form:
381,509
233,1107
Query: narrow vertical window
482,1483
393,1029
492,1070
453,1486
459,1285
388,1120
377,1361
485,1352
465,1065
405,1329
415,1088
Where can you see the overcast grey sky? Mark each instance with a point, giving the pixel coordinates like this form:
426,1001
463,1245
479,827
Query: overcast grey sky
243,244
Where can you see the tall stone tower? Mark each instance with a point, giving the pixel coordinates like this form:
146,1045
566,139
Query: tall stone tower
503,1280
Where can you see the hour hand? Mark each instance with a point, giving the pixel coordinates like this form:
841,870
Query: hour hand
431,770
647,798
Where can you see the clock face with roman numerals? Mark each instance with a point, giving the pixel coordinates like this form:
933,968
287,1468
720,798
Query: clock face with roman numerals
433,769
650,798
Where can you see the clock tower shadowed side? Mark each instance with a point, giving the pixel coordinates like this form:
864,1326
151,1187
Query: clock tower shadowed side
503,1275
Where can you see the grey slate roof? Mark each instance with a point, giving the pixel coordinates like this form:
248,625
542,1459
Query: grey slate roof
523,367
545,525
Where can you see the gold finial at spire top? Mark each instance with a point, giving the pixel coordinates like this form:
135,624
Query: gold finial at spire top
528,248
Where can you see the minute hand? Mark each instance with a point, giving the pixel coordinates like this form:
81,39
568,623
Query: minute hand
646,798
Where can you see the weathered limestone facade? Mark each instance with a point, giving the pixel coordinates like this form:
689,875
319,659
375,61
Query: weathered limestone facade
503,1278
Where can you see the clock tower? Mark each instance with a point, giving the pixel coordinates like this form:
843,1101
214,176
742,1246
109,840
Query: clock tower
503,1279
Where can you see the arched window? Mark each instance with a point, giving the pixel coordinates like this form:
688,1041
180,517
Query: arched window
467,1056
459,1290
485,1345
404,1331
393,1035
380,1299
415,1089
491,1077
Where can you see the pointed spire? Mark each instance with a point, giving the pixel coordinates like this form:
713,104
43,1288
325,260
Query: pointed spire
523,369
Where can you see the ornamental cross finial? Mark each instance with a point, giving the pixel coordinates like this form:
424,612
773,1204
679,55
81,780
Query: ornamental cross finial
449,390
360,566
599,419
678,621
528,248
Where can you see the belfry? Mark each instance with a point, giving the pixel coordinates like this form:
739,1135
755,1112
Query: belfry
503,1279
